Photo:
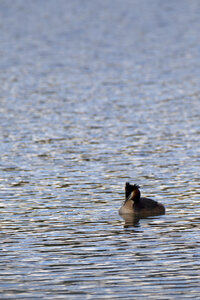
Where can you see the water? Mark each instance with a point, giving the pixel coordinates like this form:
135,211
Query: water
94,94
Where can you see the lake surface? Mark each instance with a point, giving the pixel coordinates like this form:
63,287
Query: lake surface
94,94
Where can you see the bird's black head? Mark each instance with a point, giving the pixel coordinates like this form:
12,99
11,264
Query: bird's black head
129,188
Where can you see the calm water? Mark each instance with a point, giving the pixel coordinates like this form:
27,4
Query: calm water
94,94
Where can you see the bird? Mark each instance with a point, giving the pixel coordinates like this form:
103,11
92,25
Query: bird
134,204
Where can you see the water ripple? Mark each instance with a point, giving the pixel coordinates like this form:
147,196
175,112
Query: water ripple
91,97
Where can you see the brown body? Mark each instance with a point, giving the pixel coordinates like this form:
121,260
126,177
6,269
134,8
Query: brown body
136,205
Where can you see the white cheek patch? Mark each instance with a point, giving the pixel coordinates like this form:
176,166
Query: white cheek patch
131,195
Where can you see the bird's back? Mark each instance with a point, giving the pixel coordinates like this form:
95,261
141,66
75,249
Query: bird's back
147,206
148,203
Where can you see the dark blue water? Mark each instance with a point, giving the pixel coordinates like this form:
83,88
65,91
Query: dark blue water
94,94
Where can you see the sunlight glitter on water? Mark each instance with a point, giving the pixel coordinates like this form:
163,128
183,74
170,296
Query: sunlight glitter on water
91,97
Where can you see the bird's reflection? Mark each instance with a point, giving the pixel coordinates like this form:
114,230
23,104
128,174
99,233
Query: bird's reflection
131,220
